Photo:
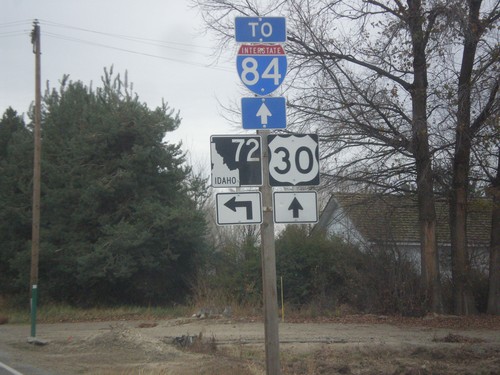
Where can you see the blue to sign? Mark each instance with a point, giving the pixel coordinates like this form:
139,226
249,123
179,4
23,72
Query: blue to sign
261,67
260,29
263,113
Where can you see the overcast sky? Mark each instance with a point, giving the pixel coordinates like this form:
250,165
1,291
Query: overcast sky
159,42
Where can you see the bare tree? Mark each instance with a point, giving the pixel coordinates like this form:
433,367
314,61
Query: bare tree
327,63
473,70
371,77
494,284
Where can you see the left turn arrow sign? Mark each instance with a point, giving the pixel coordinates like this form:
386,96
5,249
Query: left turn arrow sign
239,208
232,204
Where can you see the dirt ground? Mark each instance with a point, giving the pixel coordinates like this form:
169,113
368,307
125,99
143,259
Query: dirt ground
350,345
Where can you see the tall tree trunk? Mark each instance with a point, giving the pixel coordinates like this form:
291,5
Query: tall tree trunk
426,205
420,141
463,299
494,290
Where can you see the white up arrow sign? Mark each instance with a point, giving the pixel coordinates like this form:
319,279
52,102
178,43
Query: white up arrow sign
263,113
295,207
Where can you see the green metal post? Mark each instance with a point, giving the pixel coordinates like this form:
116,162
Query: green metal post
34,301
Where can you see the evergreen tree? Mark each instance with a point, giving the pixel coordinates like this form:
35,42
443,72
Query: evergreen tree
118,221
16,171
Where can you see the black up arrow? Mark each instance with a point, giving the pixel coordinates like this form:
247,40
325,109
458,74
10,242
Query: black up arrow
233,205
295,206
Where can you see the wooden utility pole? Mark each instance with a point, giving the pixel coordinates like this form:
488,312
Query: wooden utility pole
268,255
35,231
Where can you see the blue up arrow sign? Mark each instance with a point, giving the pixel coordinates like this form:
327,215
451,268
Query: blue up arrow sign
263,113
260,29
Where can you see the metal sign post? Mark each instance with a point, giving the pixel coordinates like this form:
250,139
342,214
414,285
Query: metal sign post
261,66
268,256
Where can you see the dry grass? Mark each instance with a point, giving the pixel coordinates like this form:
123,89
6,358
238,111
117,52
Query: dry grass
58,313
453,338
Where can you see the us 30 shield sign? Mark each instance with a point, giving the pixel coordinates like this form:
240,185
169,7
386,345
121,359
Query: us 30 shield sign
293,160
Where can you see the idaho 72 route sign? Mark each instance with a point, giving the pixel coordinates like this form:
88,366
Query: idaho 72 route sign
261,67
236,160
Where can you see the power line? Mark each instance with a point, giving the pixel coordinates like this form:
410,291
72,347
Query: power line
157,45
6,34
122,36
176,46
16,23
77,40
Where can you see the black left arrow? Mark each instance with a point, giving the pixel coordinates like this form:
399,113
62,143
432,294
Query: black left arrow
295,206
233,205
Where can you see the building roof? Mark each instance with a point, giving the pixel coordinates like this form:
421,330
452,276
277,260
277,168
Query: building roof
394,218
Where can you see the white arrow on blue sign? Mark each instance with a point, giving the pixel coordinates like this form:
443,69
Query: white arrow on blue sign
260,29
261,67
263,113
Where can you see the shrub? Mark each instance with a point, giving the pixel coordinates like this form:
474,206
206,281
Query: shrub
317,269
329,273
392,283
